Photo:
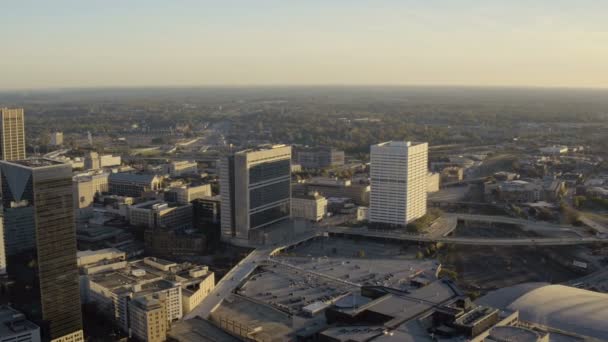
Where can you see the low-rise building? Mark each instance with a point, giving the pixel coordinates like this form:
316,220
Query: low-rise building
311,206
433,181
452,174
181,168
86,187
94,161
333,187
363,214
113,290
318,158
158,214
14,327
185,194
56,138
133,184
108,160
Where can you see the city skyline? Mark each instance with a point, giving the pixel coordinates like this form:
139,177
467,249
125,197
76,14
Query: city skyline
186,43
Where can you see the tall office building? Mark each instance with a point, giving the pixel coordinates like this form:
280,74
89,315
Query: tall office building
256,189
12,134
398,182
41,238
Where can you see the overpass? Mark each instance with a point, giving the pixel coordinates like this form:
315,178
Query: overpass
540,226
404,236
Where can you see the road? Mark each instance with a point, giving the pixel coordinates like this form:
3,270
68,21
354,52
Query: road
229,282
539,226
465,241
599,228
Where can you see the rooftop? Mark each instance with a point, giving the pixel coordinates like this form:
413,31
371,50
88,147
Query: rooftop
13,322
399,143
565,308
36,162
132,177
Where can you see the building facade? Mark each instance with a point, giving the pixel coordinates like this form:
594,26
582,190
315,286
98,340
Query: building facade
255,186
14,327
318,158
398,182
156,214
12,134
312,207
86,187
133,184
187,193
56,138
331,187
45,268
182,168
148,318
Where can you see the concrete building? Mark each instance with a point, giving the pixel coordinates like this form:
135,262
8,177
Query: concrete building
133,184
12,134
433,181
255,186
56,138
157,214
318,158
39,192
94,161
312,206
362,214
182,168
333,187
113,290
91,161
452,174
185,194
398,182
85,188
108,160
14,327
148,318
97,261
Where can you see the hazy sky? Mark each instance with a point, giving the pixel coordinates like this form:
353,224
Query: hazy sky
60,43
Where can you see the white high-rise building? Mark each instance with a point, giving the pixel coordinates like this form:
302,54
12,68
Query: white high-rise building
398,182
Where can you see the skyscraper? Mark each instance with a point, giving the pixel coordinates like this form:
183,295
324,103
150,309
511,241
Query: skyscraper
398,182
12,134
42,257
256,189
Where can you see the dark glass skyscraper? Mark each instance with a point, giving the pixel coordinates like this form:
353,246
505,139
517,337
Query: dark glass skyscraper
256,189
41,240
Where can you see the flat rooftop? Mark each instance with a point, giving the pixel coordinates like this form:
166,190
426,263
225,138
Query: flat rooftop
13,322
400,143
37,162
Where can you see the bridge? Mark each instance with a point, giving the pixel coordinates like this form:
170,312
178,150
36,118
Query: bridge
404,236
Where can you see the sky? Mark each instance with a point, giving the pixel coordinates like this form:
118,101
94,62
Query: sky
64,44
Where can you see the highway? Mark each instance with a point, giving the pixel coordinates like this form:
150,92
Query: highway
245,267
540,241
539,226
229,283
